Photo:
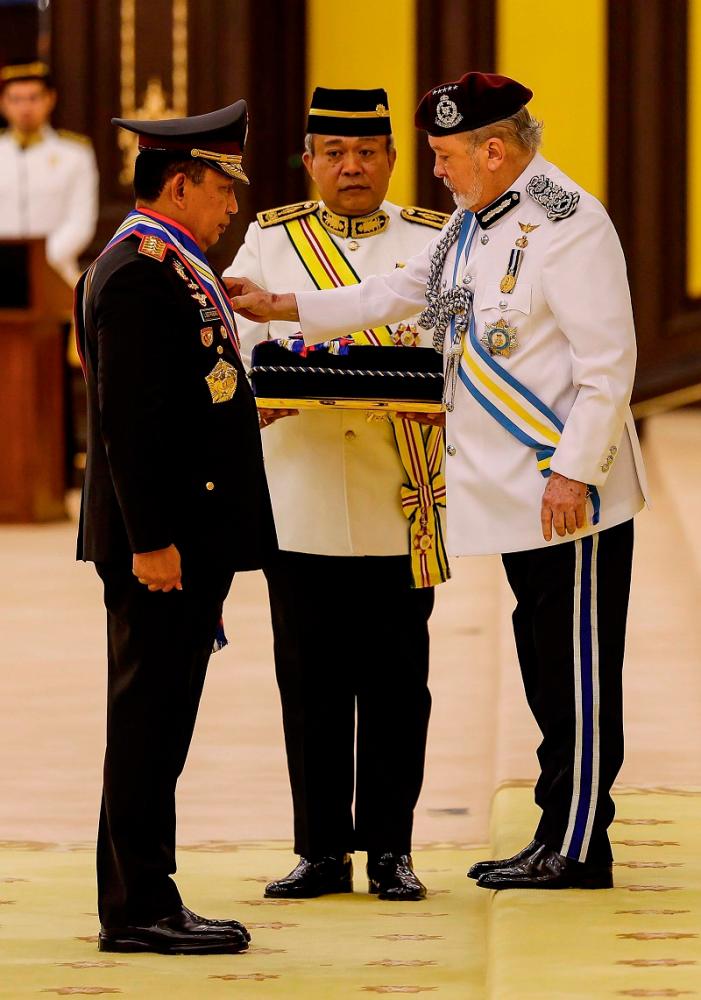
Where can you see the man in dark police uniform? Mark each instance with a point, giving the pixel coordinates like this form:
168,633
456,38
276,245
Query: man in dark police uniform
175,501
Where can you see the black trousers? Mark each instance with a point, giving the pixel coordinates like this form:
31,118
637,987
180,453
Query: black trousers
569,626
158,646
350,632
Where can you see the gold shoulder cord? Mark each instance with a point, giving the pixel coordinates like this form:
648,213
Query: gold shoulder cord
286,213
425,216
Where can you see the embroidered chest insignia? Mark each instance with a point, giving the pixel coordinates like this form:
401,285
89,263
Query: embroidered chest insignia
222,381
207,336
558,203
525,227
153,246
447,113
182,272
500,338
199,297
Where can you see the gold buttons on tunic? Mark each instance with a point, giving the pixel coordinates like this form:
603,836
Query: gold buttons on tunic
350,435
209,486
220,349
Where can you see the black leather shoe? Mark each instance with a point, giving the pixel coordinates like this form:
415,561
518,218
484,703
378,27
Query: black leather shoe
546,869
391,876
182,933
481,867
314,878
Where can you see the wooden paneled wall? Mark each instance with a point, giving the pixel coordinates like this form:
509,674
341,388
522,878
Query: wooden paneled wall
234,48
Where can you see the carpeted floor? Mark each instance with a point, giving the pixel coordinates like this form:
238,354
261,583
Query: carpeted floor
641,939
333,948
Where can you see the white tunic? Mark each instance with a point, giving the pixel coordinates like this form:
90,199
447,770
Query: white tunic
572,312
334,477
50,189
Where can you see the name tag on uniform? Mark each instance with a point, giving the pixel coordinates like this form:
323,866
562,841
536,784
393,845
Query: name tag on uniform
209,314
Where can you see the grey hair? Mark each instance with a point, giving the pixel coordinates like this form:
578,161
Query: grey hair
520,129
310,137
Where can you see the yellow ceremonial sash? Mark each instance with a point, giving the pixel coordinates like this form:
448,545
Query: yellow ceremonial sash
328,268
420,446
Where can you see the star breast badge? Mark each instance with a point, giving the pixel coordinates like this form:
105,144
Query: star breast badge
222,381
500,338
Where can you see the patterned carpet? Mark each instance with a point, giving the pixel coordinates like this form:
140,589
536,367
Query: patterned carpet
641,939
335,947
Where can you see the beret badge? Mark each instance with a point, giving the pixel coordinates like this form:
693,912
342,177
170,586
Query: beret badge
447,114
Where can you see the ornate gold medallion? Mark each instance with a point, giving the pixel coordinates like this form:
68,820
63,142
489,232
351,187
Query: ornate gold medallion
406,335
222,381
500,338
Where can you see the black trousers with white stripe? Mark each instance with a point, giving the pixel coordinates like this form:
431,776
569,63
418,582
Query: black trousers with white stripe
569,625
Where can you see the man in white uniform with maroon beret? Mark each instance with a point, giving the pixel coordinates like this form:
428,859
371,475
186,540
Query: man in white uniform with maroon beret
526,288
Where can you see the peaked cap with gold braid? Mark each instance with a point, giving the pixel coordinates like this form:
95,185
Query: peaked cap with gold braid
217,138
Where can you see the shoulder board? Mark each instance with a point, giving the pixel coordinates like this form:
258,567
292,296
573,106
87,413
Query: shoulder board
74,136
274,216
558,203
425,216
153,246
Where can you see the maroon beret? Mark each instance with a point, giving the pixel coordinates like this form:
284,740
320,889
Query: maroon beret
475,100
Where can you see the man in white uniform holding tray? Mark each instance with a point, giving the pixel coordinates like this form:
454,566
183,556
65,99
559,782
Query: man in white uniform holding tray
527,290
336,480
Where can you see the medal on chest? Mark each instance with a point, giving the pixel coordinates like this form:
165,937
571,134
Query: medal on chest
508,282
499,338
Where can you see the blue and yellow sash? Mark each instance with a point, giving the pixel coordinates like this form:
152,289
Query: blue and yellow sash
515,407
420,446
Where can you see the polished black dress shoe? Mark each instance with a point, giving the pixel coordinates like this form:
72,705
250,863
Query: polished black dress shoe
314,878
546,869
481,867
182,933
391,876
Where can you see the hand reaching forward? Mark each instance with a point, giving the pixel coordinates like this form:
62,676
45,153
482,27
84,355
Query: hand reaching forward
158,570
254,303
563,506
267,416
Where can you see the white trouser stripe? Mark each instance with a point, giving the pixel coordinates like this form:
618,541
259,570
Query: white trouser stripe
577,772
595,704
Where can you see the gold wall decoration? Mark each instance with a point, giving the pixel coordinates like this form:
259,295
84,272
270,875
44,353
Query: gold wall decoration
154,102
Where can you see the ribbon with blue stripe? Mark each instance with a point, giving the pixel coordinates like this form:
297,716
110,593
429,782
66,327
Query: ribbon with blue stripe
142,222
519,411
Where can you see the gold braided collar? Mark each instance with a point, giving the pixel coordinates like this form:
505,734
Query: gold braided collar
356,227
26,139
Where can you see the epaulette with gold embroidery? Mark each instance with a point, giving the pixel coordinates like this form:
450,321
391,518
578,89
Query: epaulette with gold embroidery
274,216
425,216
153,246
74,136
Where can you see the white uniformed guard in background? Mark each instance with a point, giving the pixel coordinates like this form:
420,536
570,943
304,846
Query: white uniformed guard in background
527,290
48,178
335,479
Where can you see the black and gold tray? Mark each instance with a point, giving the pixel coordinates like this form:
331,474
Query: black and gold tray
399,379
